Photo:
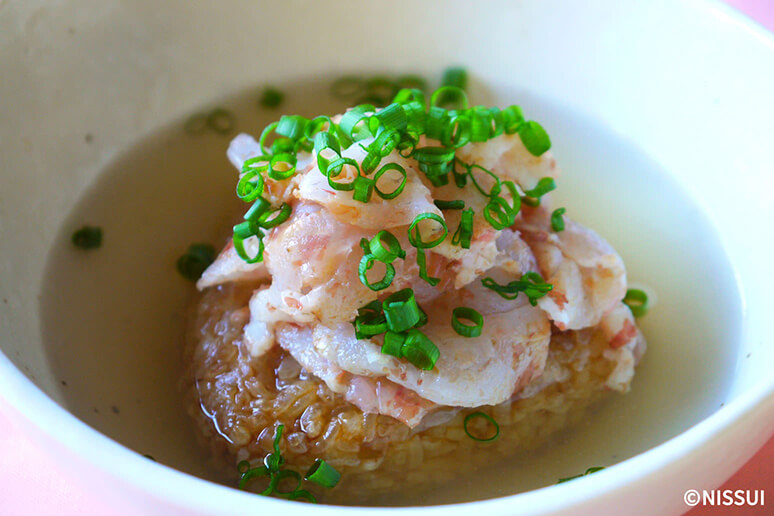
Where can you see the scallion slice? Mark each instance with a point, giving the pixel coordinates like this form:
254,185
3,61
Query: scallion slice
323,474
401,310
385,247
196,259
393,343
449,205
271,97
557,221
422,263
531,283
366,263
420,350
464,233
269,219
88,237
487,417
415,237
544,185
462,312
637,301
534,138
386,168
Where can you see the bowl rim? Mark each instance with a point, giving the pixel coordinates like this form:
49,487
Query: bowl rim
164,483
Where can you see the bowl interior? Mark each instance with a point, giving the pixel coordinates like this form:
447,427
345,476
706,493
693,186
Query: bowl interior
93,135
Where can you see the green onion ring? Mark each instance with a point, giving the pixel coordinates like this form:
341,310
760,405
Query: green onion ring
496,187
281,214
464,233
366,262
393,342
335,169
446,94
401,310
387,167
420,350
422,263
416,238
463,312
557,222
498,213
265,136
280,175
489,418
534,138
637,301
323,474
385,247
449,205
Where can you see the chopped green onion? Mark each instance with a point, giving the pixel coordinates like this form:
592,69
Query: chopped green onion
516,206
281,214
464,233
544,185
454,81
221,121
401,310
355,124
247,473
496,186
420,350
292,126
368,326
415,237
462,312
326,144
347,86
315,126
88,237
637,301
323,474
385,247
455,76
250,185
242,232
449,205
364,187
422,263
498,213
336,168
366,263
398,189
267,131
457,132
512,119
260,206
460,178
557,222
271,97
531,284
588,472
393,343
282,166
534,138
487,417
196,259
448,95
302,494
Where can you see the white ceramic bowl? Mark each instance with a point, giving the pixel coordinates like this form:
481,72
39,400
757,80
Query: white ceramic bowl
688,84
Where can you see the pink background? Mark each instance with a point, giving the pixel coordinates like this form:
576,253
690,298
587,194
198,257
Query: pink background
32,483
